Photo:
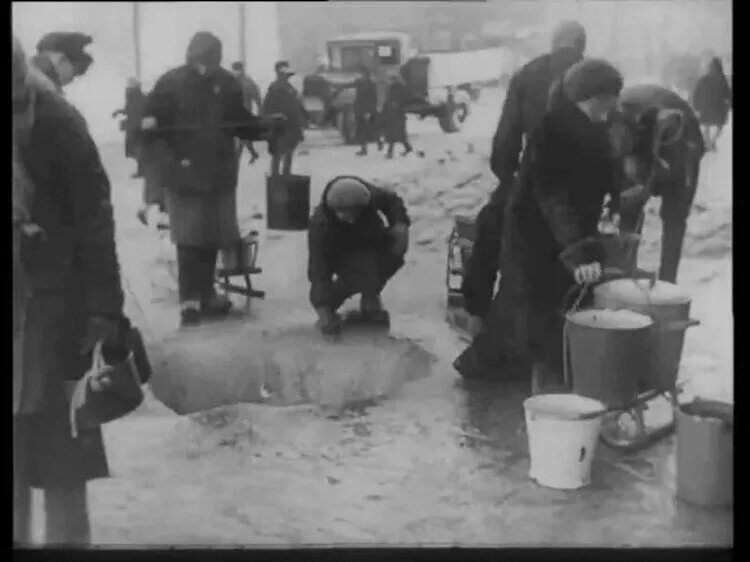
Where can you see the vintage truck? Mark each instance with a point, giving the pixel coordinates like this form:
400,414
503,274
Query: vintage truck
441,84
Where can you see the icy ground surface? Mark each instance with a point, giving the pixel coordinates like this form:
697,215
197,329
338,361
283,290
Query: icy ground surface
374,440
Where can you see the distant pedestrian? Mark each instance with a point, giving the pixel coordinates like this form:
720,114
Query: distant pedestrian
282,98
394,117
253,102
131,125
712,100
366,110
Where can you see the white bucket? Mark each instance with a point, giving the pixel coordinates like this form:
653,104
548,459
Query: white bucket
561,447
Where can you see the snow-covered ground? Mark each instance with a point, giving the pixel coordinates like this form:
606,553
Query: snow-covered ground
432,462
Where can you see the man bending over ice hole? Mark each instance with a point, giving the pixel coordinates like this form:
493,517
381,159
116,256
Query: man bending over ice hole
358,236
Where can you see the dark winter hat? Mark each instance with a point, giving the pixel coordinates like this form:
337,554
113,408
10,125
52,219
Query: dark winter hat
570,35
591,78
72,45
204,48
347,193
283,67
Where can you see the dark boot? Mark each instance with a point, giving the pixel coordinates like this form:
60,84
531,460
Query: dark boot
407,149
372,312
362,151
190,313
216,305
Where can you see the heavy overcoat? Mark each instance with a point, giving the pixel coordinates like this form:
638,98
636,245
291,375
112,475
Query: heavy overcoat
70,274
329,239
566,171
198,117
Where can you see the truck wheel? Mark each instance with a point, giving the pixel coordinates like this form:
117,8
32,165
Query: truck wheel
454,117
346,124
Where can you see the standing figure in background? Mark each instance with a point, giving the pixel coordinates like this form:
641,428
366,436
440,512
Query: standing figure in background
358,238
133,113
712,99
365,111
61,57
394,117
283,99
70,299
197,110
253,101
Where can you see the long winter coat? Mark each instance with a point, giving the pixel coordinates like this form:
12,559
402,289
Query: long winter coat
282,98
133,110
394,116
198,117
329,239
712,98
70,274
525,104
566,171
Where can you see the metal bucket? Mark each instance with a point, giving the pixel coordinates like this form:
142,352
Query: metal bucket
606,353
669,308
288,202
705,453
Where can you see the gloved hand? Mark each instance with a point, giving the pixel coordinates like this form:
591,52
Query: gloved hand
100,329
400,233
475,326
328,321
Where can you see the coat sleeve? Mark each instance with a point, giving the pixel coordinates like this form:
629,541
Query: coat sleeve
391,205
271,102
508,139
248,126
319,268
159,104
551,185
78,168
481,269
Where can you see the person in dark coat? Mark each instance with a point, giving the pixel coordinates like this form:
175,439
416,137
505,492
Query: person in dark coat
663,144
526,103
61,56
70,298
712,99
394,117
253,101
283,99
365,110
352,250
197,110
566,171
133,113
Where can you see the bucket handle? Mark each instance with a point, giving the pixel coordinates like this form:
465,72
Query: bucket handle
677,325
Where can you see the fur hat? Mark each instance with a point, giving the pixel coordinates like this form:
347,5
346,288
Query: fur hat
204,48
590,78
346,193
70,44
570,35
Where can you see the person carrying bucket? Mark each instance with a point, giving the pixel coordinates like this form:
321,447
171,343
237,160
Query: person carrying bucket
349,240
566,172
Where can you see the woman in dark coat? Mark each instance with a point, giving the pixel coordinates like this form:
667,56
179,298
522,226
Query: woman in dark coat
198,110
712,99
394,117
566,171
69,297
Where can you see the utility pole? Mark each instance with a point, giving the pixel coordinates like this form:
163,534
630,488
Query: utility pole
137,39
243,33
